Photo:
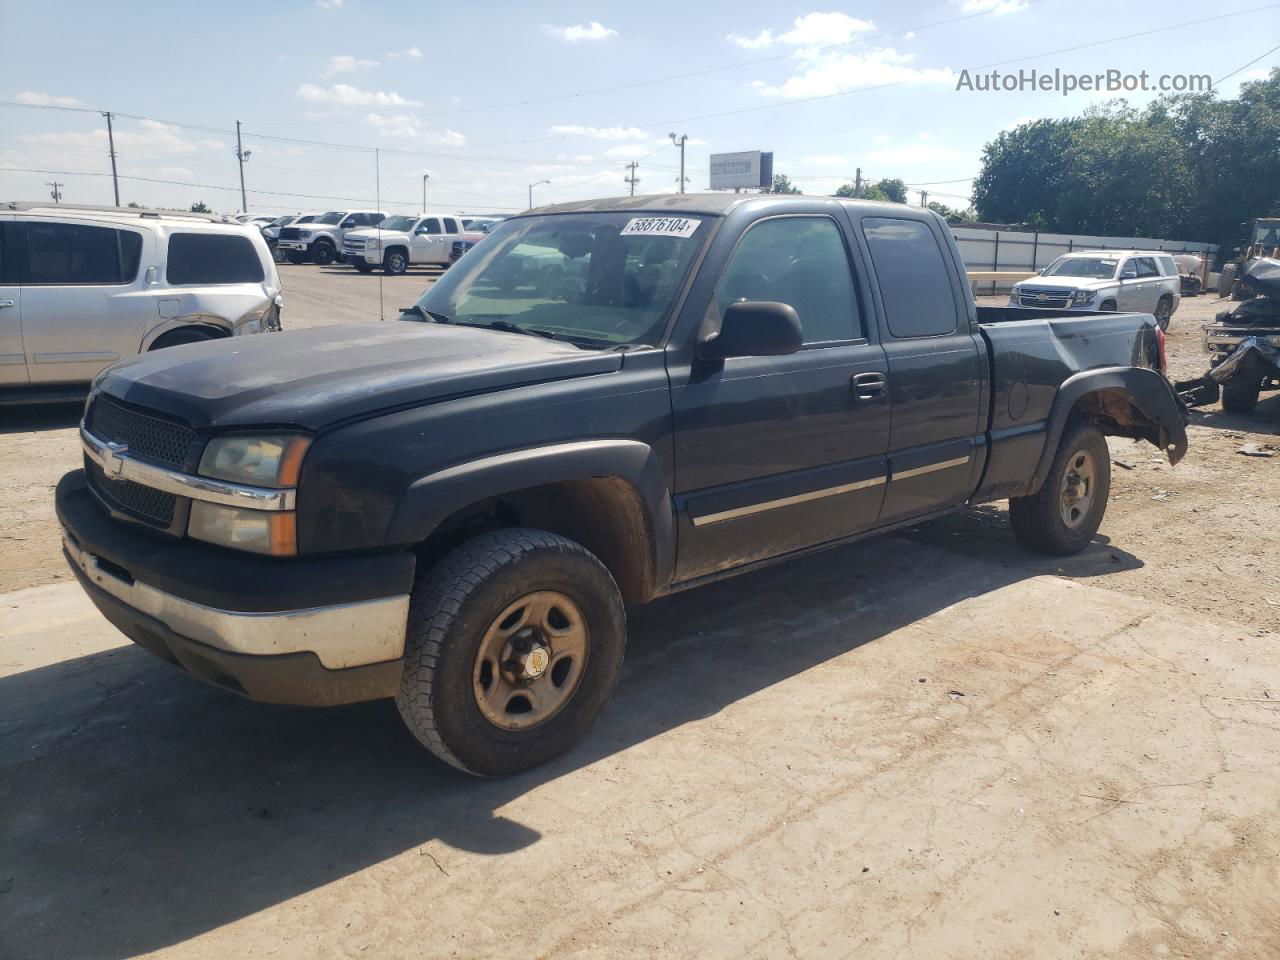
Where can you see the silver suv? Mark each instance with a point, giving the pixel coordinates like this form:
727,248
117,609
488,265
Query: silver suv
1134,281
83,287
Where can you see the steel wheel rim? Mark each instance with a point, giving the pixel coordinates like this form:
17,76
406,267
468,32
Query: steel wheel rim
1079,483
530,661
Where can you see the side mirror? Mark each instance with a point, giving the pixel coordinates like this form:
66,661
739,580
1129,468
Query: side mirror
1129,273
760,328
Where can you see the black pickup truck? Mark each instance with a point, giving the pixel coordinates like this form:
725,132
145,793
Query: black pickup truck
600,404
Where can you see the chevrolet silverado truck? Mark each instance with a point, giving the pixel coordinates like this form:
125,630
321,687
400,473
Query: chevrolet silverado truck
602,403
397,242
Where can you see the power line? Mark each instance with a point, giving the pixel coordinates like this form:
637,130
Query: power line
1246,66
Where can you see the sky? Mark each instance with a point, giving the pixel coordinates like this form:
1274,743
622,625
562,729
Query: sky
488,98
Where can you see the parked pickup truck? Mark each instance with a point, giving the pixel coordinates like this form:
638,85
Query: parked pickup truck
320,240
397,242
602,403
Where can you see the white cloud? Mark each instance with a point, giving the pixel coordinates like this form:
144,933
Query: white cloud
36,99
330,4
924,136
826,160
581,31
408,125
347,64
691,142
628,150
349,96
828,73
1017,123
820,29
150,138
761,40
413,53
881,138
1262,73
909,35
911,153
599,133
998,7
176,173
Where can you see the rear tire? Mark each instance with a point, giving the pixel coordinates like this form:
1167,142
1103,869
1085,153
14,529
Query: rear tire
1062,517
489,595
176,338
1240,394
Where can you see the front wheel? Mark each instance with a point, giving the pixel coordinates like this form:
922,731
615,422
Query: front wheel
514,644
1164,311
1062,517
395,263
323,253
1108,306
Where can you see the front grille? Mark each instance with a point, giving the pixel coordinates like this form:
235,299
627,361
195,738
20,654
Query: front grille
356,244
145,503
1051,299
290,233
161,440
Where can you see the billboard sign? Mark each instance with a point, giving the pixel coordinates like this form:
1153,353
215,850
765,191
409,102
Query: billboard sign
751,168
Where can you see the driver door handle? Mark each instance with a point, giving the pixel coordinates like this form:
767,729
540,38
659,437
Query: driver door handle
868,386
7,303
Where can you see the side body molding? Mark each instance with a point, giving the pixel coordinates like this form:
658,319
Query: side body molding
434,497
1141,401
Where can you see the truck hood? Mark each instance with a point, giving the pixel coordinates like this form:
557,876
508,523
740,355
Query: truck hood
374,233
1063,283
314,378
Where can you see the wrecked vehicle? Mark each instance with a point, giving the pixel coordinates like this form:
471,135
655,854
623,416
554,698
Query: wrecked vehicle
602,403
1243,345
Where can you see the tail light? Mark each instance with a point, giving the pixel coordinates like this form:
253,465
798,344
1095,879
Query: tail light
1161,359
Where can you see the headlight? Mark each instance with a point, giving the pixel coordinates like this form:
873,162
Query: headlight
258,531
1081,297
305,235
266,460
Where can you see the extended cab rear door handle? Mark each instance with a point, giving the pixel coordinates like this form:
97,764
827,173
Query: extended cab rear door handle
868,386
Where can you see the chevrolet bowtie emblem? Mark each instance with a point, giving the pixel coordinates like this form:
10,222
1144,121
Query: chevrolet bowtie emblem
1041,296
113,458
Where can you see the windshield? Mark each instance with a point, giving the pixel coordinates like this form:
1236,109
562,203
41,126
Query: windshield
330,218
398,223
1267,233
309,218
1094,268
598,280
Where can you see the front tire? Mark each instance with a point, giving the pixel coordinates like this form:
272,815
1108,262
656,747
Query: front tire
395,263
1062,517
1164,312
1240,394
514,644
323,253
1108,306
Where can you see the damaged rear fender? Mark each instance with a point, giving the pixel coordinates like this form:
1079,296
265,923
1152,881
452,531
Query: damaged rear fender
1124,402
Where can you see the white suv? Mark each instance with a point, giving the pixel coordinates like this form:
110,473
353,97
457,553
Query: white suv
1133,281
83,287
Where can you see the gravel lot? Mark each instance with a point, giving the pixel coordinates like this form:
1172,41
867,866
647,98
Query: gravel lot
934,744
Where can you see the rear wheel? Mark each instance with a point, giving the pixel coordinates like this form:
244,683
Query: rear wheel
176,338
514,644
1227,280
1240,394
1062,517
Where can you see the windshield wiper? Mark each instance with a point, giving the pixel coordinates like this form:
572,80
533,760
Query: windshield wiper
426,314
506,326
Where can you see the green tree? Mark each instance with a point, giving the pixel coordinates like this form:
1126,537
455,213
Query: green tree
887,191
200,207
952,216
782,184
133,205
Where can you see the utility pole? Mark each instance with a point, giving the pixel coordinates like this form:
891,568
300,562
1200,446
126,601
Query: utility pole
857,183
531,186
425,178
56,193
924,198
111,149
679,142
242,155
632,179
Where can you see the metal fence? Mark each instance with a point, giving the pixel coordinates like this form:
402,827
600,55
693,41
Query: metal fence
1015,250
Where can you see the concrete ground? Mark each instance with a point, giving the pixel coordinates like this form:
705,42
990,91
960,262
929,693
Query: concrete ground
928,745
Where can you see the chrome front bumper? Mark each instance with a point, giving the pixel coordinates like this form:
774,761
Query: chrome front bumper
341,636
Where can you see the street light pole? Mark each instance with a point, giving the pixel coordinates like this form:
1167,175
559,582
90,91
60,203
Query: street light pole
679,142
425,178
531,186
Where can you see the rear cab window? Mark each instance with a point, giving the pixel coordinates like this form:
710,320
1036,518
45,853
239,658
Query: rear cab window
912,276
79,254
212,258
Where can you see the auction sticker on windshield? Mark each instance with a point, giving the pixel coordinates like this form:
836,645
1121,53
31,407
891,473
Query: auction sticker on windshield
660,227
